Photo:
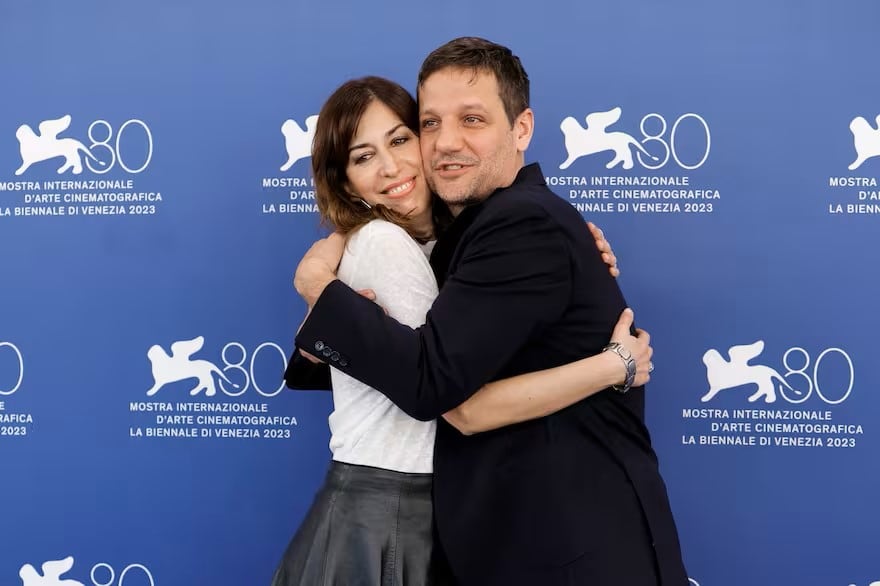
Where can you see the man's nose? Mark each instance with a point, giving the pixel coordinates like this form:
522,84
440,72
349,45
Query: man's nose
449,138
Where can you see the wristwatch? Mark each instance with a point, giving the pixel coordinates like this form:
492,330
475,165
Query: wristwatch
628,361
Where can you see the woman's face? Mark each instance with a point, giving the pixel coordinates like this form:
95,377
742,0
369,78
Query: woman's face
385,164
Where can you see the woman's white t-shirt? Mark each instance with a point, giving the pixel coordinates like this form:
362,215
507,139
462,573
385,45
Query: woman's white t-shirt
367,428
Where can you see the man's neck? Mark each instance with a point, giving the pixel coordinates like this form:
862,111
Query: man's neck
456,209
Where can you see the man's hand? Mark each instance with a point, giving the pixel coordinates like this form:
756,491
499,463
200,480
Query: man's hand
371,295
605,248
639,346
317,269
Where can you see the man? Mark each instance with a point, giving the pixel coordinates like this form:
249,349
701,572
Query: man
572,498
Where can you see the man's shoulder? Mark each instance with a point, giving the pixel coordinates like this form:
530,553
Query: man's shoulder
526,201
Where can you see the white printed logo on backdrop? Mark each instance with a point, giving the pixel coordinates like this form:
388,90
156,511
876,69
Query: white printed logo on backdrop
790,401
178,366
13,423
35,148
866,140
123,150
859,192
736,372
668,159
225,396
595,138
11,369
52,573
297,141
293,193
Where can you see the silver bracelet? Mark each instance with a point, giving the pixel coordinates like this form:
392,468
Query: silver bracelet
628,361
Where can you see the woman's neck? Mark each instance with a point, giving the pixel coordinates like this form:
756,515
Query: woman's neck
422,225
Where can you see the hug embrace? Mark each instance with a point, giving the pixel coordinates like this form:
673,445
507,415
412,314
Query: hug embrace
488,383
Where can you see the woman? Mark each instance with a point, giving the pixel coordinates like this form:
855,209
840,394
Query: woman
371,521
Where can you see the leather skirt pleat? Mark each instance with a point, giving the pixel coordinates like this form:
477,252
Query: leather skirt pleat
367,527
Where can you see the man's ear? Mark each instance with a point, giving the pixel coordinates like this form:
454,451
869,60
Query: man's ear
523,129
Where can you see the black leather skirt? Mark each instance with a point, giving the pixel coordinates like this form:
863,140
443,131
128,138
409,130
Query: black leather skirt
367,527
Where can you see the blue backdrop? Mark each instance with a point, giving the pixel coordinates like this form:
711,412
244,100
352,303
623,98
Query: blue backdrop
731,154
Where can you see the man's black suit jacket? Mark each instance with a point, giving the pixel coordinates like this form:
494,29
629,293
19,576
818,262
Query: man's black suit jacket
525,289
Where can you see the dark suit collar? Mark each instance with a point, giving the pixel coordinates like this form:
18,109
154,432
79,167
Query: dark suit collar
447,242
441,256
529,175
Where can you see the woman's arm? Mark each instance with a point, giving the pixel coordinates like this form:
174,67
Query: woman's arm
537,394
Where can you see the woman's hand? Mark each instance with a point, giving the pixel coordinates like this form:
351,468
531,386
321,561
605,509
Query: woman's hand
605,248
638,345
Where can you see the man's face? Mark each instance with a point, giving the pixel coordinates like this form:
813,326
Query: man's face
469,148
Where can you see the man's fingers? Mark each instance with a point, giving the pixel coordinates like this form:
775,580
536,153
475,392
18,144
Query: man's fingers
310,357
368,293
371,295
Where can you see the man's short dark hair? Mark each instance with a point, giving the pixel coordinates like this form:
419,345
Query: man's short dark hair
484,56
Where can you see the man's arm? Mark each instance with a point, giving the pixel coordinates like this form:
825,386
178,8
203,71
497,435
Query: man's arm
303,374
513,279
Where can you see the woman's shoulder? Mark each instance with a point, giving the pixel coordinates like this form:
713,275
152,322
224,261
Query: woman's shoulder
381,231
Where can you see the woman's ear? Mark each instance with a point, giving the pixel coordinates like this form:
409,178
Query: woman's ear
356,199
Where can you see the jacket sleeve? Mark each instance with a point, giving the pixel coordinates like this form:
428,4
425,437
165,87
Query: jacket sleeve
513,279
303,374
